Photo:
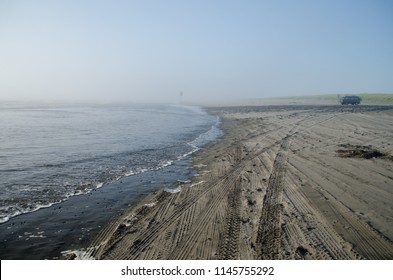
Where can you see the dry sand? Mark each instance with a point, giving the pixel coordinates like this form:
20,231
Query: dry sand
285,182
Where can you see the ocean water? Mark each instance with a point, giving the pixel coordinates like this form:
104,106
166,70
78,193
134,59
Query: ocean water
51,152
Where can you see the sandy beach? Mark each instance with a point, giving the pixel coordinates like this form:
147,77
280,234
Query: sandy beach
285,182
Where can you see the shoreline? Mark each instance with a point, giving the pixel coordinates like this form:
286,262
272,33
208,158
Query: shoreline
73,223
273,187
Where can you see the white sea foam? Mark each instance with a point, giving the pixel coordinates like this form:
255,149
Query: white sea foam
151,204
196,184
20,211
129,173
183,181
4,219
37,236
80,254
176,190
137,171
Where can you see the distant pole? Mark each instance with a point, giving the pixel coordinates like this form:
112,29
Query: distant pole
181,97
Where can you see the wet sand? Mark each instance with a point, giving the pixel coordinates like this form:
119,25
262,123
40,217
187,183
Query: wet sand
285,182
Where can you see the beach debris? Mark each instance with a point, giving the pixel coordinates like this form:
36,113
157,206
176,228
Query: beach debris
302,252
358,151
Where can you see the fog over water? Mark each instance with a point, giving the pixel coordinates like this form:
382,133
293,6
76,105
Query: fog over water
151,51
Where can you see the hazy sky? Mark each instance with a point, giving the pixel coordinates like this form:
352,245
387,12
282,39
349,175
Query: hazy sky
153,50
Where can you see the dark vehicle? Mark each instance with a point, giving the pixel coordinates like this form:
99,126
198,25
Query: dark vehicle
353,100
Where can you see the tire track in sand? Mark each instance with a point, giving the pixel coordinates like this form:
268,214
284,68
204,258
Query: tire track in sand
269,230
364,239
268,241
131,248
228,247
322,241
222,186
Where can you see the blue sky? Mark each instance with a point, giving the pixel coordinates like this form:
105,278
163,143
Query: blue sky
211,50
